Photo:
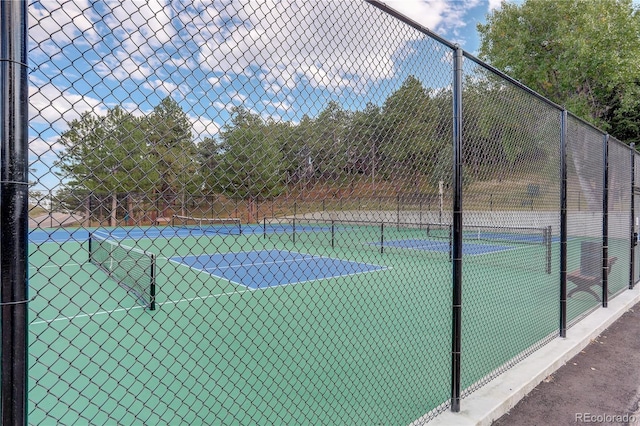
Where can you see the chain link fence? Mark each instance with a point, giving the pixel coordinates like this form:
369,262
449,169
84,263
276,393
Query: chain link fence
511,144
242,213
635,224
585,175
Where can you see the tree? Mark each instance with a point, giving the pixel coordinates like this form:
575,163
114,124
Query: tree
106,156
298,163
413,133
504,130
172,149
248,160
328,142
583,54
364,136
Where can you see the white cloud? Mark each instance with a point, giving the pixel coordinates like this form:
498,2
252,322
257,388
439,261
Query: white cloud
43,147
221,106
52,27
204,128
238,98
57,107
142,27
494,4
443,17
277,105
286,43
428,13
217,82
143,30
292,42
164,87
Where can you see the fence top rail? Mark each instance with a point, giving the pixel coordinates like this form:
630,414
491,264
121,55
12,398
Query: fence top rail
586,123
622,144
382,6
511,80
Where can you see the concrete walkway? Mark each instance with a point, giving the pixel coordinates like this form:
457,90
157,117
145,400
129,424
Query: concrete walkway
592,377
54,220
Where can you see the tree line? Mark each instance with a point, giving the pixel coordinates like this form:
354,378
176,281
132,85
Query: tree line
405,141
582,54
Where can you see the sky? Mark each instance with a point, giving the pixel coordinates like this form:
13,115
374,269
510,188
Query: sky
455,20
281,59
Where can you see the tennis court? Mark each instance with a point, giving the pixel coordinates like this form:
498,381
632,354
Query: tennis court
291,321
270,268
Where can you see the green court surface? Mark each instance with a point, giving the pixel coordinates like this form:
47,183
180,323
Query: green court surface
373,346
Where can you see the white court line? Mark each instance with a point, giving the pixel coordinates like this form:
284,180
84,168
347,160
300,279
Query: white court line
191,299
231,293
93,314
57,266
431,248
104,234
240,265
168,302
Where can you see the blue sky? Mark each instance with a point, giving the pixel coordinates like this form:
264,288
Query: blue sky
455,20
89,56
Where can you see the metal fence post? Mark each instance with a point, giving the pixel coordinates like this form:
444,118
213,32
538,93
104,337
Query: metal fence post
605,222
14,209
633,237
457,233
563,223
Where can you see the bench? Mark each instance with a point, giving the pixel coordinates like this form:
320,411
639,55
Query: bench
584,281
162,221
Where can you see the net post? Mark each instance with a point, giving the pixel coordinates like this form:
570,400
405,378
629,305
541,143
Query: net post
381,237
333,233
293,231
547,242
398,213
605,222
264,227
90,244
152,286
450,233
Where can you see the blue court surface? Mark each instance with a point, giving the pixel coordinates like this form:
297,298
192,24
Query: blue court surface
272,268
57,235
444,246
63,235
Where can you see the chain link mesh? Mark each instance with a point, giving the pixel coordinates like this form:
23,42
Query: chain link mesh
619,229
511,192
585,174
241,214
280,164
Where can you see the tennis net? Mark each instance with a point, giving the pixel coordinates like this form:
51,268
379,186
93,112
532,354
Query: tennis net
500,234
132,268
497,233
496,240
227,225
